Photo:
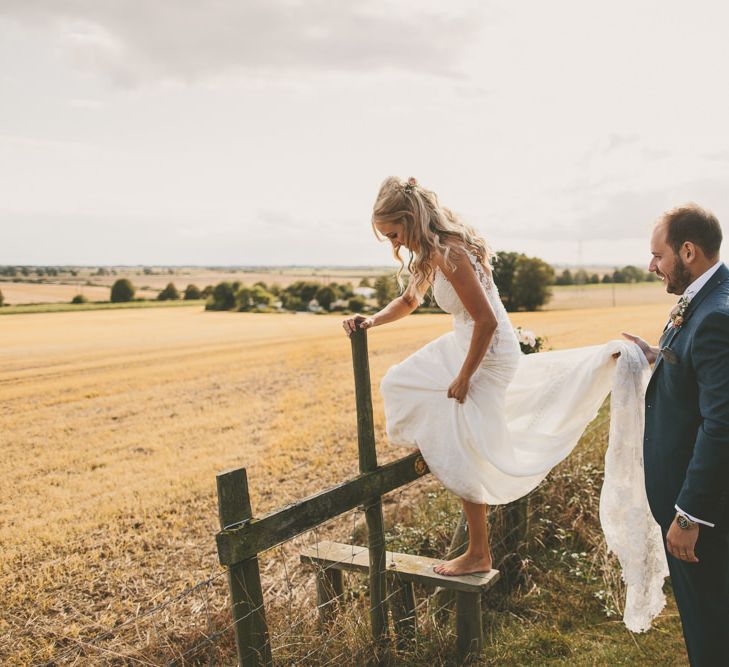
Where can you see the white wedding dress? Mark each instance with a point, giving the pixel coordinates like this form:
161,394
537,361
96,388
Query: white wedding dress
523,415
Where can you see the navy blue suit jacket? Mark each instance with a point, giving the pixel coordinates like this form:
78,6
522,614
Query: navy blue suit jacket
686,441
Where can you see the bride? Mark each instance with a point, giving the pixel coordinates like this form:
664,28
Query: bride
455,429
490,422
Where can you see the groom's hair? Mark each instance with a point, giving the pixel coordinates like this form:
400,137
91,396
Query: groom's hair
693,223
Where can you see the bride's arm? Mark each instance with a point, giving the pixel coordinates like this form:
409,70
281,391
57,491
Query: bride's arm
395,310
464,280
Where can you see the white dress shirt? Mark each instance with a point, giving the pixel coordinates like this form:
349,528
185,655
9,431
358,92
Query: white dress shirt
691,291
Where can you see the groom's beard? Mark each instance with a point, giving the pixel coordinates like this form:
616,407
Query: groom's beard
681,278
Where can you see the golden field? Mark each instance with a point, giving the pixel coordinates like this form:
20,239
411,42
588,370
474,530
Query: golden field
114,424
16,293
569,297
63,289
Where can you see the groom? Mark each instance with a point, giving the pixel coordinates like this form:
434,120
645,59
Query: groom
686,440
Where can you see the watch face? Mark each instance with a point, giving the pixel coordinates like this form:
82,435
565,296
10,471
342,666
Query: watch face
681,521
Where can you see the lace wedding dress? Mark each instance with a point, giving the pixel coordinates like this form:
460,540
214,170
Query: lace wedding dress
521,417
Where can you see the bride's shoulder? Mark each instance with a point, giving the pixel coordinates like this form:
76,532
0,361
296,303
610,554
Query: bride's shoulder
460,256
453,253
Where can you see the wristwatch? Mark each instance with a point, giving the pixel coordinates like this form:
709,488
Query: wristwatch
685,523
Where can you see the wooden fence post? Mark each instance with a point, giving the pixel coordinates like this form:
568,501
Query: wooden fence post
403,611
244,579
373,506
444,597
518,517
329,590
469,626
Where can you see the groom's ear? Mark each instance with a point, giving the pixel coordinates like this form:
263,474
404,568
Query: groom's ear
689,252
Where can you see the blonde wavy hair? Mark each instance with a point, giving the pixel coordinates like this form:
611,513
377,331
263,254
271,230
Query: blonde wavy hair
429,227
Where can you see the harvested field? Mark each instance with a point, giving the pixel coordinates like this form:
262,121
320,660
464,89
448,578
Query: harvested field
570,297
64,288
17,293
282,276
113,425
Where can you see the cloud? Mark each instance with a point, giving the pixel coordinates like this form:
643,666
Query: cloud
631,213
616,141
718,156
135,42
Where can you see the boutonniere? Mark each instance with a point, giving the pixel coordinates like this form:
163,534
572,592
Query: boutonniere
678,312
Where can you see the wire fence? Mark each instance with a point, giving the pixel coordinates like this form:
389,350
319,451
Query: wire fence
419,518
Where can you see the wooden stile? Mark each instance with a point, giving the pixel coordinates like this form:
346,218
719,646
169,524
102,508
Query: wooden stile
242,538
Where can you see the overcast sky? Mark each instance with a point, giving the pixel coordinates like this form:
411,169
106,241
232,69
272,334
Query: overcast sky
258,131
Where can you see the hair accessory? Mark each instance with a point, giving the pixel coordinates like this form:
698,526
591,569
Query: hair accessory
410,185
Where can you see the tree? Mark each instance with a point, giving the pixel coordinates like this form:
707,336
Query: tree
244,298
2,299
532,278
365,282
223,297
581,277
594,279
565,278
325,296
607,278
295,303
343,290
504,268
192,293
261,296
633,274
386,289
298,293
169,293
357,303
122,291
79,298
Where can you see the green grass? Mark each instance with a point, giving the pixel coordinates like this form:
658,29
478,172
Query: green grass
92,305
560,598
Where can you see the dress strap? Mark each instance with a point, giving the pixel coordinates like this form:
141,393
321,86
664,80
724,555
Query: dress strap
480,272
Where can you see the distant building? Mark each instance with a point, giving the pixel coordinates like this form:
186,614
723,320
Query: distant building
366,292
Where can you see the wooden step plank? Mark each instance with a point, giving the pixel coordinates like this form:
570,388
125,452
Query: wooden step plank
408,567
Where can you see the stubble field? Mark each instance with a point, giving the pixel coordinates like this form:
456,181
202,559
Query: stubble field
114,424
63,289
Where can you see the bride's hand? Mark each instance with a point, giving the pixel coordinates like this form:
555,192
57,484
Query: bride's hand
351,324
459,388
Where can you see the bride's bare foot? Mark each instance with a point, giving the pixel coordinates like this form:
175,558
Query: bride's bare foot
465,564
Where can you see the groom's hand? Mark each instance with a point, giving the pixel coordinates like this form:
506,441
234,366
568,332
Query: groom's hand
681,543
650,352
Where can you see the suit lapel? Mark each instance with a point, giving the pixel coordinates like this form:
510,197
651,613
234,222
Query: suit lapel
722,274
